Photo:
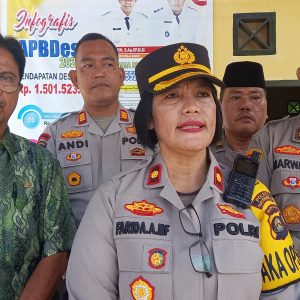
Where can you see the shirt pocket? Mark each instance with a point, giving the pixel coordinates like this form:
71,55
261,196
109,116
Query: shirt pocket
144,267
238,265
285,182
77,170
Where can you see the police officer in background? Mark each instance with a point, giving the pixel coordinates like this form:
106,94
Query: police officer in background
244,109
177,22
279,141
126,26
99,141
162,229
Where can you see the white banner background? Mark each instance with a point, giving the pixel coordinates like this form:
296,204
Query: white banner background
48,31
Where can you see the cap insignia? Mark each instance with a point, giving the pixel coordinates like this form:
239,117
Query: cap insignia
184,56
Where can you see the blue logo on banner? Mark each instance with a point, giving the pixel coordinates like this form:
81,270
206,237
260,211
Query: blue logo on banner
32,115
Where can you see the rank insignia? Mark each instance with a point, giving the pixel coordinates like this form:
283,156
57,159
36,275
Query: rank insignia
278,229
157,258
73,156
141,289
72,134
138,151
291,214
131,129
297,134
228,210
124,115
249,153
82,118
42,141
143,208
74,179
45,136
218,178
288,150
154,175
291,182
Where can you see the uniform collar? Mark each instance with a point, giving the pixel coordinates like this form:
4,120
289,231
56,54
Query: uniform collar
8,142
123,116
156,176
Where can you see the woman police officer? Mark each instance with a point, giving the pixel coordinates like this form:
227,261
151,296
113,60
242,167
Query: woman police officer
162,230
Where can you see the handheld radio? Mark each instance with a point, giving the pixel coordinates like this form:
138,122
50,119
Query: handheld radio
242,180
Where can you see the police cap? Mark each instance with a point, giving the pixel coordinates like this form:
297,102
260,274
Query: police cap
244,74
172,64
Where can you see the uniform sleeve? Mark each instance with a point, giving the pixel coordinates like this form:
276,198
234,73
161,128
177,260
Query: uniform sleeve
261,143
281,265
47,139
93,269
58,228
290,293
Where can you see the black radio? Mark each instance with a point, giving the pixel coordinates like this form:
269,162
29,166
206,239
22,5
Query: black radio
242,180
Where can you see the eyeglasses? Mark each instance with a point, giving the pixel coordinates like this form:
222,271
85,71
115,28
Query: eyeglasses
8,84
198,251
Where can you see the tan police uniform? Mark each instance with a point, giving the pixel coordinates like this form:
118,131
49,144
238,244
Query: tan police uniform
113,25
131,244
279,168
223,153
88,156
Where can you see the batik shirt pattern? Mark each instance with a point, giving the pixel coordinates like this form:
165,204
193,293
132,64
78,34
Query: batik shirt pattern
35,214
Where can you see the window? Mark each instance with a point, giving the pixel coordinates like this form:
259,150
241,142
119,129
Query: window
254,33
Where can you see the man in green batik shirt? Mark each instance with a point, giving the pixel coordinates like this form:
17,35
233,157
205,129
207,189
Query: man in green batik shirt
36,223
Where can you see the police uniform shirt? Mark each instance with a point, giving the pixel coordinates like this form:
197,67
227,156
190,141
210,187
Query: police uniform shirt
122,32
131,245
189,26
223,153
279,141
88,156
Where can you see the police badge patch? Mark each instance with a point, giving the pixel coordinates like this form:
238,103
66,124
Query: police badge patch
141,289
157,258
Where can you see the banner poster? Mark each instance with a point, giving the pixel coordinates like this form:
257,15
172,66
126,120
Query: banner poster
49,29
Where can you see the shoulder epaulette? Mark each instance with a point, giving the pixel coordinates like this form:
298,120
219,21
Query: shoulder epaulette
106,13
142,14
192,8
157,10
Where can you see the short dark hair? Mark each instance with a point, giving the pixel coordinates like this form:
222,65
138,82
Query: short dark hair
143,116
95,36
15,49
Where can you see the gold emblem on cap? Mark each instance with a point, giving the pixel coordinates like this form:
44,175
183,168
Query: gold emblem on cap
184,56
